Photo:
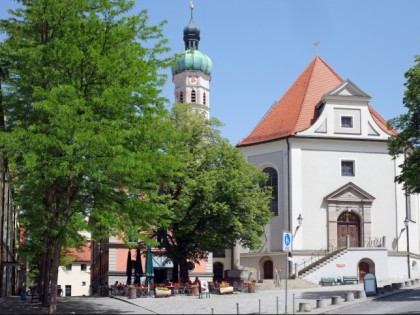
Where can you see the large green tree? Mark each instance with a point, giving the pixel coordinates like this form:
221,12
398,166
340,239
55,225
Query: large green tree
216,200
86,130
407,141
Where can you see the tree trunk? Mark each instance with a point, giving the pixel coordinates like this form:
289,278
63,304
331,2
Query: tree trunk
52,307
183,270
46,274
175,271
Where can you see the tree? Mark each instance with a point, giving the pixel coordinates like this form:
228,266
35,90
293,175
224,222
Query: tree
86,130
407,141
217,200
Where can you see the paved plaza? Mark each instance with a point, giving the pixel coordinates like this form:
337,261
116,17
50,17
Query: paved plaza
262,302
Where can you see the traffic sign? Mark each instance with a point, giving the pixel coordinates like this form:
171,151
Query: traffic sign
287,241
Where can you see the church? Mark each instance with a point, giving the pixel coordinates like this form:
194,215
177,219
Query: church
324,148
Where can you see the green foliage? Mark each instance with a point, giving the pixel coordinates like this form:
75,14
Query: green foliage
218,199
86,130
407,141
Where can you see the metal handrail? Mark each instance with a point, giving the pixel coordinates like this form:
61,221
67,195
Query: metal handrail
316,256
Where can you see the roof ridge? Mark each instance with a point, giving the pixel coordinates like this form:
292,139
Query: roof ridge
312,65
282,96
295,109
331,69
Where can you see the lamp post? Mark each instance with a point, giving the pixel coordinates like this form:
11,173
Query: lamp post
300,219
406,223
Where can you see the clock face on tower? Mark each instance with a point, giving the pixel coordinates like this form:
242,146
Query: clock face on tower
193,80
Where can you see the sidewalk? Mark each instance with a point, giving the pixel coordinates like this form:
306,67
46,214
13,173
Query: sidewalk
261,302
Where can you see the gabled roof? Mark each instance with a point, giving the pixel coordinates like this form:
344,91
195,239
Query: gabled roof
296,110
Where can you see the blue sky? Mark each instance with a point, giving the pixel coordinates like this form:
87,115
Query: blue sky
259,48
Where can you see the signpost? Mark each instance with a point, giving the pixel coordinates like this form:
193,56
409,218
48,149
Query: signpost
287,247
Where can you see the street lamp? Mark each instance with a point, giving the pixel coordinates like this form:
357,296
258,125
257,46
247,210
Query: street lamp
406,222
300,219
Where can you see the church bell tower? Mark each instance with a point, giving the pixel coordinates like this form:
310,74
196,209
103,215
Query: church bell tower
192,72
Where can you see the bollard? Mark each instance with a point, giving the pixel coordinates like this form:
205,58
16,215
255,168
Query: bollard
304,307
361,294
237,308
321,303
335,300
413,282
407,283
277,305
293,303
349,296
259,306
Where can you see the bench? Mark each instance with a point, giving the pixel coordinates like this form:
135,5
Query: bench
350,279
328,281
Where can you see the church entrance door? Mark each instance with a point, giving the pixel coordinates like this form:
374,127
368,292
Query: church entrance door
348,224
268,269
363,270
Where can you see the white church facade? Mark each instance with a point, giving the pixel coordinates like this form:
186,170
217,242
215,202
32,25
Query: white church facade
325,150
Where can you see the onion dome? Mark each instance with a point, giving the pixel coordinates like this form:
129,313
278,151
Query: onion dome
192,59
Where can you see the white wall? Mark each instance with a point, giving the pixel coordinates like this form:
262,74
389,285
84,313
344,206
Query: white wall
75,279
320,175
347,265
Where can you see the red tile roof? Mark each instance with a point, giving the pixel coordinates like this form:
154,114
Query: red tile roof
82,255
296,110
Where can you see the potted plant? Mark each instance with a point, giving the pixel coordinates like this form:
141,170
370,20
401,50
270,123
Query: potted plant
162,292
194,289
251,286
225,288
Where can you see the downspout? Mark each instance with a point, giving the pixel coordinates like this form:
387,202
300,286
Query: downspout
397,235
289,223
288,201
407,218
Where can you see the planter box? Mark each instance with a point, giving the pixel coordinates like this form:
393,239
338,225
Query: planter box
195,291
162,293
251,288
226,290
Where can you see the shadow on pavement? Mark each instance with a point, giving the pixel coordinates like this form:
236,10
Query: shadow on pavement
65,305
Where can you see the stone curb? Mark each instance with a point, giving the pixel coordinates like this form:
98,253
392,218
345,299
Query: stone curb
330,308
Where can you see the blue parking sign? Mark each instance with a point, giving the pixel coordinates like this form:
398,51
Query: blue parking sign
287,241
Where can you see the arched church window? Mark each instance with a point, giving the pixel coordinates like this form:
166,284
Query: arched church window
181,97
192,96
204,98
273,182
